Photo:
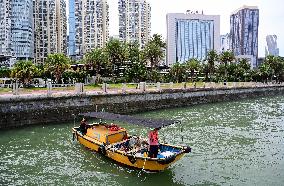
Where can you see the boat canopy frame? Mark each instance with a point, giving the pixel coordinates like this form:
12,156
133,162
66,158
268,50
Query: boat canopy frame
145,122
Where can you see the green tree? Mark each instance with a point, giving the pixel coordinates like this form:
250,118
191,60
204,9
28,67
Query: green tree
205,69
276,65
97,58
231,71
211,58
24,71
265,72
134,53
5,72
56,64
192,65
136,73
154,50
226,57
117,54
177,73
243,72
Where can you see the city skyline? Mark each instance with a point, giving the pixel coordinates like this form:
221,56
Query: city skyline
269,23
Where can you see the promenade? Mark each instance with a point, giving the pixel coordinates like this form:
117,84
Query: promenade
63,90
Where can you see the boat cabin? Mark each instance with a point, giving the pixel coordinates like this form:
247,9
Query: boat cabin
107,134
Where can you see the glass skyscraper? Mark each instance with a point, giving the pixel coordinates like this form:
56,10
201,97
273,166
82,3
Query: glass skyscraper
16,30
194,39
71,41
244,32
191,36
271,47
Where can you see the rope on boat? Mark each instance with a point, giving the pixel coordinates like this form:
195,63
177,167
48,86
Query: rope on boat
142,168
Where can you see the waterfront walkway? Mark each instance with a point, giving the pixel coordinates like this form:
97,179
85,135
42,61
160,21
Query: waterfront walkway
80,89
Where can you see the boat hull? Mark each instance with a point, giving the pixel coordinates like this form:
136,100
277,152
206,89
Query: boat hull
149,164
145,163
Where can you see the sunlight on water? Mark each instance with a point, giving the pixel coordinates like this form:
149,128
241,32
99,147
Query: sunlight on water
233,143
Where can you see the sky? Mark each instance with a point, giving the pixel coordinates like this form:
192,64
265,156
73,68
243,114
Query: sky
271,14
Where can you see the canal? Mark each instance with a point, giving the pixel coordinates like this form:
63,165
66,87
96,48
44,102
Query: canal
233,143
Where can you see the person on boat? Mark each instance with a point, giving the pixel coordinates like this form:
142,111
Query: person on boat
154,143
83,126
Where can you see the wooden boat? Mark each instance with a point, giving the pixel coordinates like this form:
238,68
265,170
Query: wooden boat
114,142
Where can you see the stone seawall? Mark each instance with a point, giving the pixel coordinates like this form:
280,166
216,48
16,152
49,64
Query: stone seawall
18,111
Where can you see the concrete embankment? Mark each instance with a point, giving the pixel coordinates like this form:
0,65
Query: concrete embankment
18,111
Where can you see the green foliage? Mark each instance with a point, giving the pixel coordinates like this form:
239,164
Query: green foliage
56,64
78,76
154,50
126,62
205,70
136,73
226,57
177,73
276,65
97,59
24,71
117,54
211,58
5,72
154,76
193,66
265,71
134,53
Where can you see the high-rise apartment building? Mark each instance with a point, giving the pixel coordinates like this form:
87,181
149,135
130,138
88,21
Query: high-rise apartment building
16,29
134,21
244,32
5,27
271,48
191,35
88,26
50,28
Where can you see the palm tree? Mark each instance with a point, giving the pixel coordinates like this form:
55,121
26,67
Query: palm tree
192,65
154,50
56,64
24,71
204,68
177,72
211,58
226,57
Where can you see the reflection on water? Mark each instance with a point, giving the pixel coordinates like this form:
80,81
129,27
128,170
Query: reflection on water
234,143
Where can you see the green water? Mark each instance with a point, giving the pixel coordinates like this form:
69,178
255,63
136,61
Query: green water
233,143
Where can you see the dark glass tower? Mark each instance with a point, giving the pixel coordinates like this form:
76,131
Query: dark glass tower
244,32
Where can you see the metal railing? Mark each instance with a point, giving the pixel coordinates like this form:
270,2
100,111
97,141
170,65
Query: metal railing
80,88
